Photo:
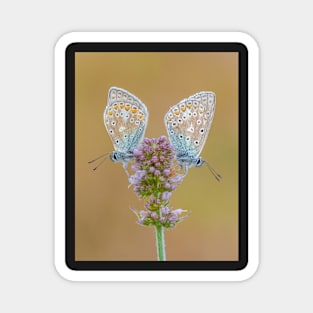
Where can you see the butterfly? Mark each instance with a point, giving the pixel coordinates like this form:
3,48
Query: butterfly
188,124
125,119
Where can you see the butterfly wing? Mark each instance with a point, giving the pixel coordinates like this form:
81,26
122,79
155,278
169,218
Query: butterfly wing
125,119
188,123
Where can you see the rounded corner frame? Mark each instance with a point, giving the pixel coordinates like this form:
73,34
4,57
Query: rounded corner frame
251,267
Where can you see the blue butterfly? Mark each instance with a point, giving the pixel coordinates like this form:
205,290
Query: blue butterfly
125,119
188,124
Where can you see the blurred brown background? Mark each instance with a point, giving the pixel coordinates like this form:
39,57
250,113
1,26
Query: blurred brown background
106,228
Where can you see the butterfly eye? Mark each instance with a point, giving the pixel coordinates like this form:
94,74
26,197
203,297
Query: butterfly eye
187,138
121,114
117,114
131,120
201,130
113,123
198,122
117,141
137,122
174,124
179,121
111,131
194,113
125,136
196,142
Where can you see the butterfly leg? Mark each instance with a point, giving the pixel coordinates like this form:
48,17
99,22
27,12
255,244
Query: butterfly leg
125,164
185,168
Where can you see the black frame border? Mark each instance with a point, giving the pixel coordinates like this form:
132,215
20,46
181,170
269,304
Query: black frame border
70,155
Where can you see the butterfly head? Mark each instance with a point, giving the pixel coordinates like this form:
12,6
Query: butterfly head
115,156
198,162
187,161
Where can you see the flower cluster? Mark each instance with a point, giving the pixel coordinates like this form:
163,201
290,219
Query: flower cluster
154,180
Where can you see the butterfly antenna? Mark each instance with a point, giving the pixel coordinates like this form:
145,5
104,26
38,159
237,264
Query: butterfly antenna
217,176
101,156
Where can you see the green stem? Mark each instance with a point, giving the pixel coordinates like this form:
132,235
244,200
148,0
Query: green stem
160,243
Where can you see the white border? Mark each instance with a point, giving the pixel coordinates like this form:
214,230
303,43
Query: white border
59,184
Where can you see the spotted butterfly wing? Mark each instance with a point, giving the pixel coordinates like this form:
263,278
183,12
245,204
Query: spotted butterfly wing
125,119
188,124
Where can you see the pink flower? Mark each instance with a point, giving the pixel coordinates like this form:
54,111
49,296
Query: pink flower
154,180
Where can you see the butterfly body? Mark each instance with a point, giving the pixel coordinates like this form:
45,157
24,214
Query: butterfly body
188,124
125,119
